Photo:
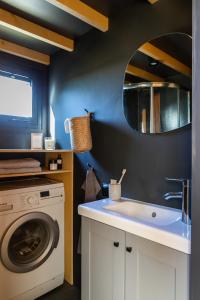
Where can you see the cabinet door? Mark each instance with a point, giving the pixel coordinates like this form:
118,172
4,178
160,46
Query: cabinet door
155,272
103,261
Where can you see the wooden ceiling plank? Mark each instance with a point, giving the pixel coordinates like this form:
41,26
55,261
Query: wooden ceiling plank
24,52
83,12
33,30
132,70
166,59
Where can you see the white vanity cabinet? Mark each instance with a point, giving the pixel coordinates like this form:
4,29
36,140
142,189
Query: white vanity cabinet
121,266
154,271
103,261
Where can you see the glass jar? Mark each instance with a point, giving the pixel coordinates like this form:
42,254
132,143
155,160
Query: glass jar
49,143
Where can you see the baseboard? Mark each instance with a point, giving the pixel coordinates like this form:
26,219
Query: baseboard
41,289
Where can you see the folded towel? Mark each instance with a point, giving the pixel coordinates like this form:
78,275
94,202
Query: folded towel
20,170
19,163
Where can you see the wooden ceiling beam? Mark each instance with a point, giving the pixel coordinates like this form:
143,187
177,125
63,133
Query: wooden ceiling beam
166,59
83,12
33,30
152,1
132,70
24,52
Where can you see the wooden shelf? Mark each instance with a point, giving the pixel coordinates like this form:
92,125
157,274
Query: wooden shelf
34,151
43,172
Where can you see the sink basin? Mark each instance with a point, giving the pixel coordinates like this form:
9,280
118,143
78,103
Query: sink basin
145,213
154,222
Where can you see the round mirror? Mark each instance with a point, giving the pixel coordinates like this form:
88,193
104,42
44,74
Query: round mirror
158,83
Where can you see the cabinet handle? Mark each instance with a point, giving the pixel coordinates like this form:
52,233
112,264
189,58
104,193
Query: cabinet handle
129,249
116,244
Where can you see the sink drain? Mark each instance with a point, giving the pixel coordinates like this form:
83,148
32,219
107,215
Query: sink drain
153,214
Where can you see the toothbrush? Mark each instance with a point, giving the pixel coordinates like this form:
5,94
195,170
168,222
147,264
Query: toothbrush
123,173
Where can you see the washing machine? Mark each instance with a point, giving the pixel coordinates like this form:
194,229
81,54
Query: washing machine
31,238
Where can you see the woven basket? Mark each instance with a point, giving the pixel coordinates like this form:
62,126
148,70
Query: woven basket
80,133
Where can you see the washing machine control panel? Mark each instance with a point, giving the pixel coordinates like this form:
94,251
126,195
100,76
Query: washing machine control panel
31,199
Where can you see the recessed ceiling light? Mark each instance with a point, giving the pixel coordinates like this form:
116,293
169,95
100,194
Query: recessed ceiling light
153,62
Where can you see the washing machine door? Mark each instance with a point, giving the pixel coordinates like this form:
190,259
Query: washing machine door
28,242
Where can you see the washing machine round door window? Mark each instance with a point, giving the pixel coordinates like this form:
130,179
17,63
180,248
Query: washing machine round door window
28,242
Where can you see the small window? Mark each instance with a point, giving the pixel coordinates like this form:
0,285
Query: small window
16,96
23,98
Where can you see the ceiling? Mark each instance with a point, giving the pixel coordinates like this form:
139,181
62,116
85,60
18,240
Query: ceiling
49,16
35,29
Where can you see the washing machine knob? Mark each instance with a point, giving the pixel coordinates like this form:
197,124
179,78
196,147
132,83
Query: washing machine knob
31,200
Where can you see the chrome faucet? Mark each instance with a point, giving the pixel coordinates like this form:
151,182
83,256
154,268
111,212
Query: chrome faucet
184,196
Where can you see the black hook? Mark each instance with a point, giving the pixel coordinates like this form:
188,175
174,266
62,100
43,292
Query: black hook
91,114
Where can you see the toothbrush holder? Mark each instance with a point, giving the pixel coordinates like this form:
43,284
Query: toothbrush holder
115,191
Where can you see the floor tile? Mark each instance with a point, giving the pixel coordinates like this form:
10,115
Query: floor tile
64,292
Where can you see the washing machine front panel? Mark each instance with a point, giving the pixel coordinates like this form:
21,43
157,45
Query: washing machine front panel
29,241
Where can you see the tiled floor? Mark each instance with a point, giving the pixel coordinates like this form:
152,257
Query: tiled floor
64,292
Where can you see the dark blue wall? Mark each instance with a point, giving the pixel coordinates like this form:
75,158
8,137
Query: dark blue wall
92,78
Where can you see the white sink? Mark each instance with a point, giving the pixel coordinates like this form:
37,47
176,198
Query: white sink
154,222
144,212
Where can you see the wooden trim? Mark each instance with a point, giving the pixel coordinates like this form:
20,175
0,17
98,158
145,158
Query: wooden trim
152,1
43,172
83,12
132,70
165,59
35,151
33,30
24,52
67,179
156,103
144,121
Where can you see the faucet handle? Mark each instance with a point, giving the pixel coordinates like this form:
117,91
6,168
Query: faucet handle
181,180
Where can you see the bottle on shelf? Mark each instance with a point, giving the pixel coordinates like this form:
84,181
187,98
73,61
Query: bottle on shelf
53,165
59,162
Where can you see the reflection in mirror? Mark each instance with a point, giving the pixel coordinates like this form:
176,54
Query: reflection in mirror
157,87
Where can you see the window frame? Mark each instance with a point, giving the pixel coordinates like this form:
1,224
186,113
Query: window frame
7,117
37,73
